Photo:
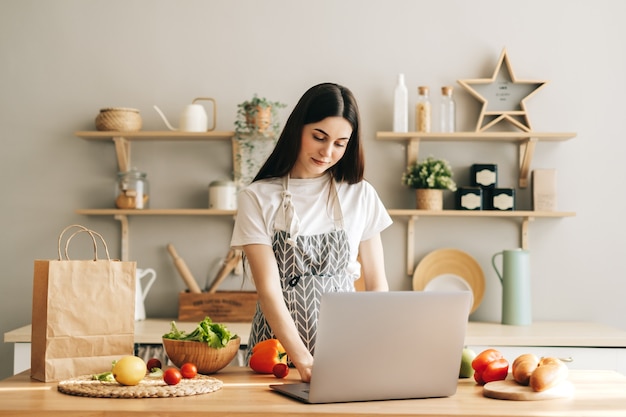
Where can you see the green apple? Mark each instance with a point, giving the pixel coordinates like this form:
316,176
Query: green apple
467,357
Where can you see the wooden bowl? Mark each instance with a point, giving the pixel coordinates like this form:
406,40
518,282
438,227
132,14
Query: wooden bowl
207,359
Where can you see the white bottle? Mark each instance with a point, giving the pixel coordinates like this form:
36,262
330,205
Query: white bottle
422,110
447,116
401,106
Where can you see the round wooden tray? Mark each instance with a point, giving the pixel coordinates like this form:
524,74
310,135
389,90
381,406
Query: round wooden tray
85,386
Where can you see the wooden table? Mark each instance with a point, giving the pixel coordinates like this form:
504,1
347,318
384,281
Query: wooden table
598,393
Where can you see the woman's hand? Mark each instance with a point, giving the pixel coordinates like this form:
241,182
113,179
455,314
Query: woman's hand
305,371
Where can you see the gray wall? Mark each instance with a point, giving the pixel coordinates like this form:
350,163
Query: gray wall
61,61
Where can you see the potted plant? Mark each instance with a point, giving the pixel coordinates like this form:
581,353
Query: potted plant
258,115
429,178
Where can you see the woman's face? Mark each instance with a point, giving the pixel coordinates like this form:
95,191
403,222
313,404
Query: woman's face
323,145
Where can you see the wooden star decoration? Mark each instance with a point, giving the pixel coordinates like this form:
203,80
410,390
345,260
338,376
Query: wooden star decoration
503,96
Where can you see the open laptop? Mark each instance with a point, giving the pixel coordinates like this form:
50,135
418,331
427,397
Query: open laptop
385,345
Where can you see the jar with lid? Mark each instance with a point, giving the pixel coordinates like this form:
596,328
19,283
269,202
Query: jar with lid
422,110
132,191
222,195
447,116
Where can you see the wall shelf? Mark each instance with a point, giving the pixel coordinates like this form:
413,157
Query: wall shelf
524,215
122,140
525,141
122,215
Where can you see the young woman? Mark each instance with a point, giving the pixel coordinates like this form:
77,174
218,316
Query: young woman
306,217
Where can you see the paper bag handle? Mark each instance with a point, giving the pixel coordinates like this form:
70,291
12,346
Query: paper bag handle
92,233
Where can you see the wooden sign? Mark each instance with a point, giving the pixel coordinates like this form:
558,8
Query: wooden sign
503,96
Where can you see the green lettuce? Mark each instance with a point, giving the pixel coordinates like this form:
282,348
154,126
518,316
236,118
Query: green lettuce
216,335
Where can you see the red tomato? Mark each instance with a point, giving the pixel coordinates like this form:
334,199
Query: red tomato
172,376
280,370
153,363
188,370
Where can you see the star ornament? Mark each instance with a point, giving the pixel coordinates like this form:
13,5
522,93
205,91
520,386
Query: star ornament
503,96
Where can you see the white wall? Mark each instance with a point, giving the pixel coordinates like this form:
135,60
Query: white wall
61,61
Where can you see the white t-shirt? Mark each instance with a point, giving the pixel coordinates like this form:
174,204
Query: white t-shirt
364,215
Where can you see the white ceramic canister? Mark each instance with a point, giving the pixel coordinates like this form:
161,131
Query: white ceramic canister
222,195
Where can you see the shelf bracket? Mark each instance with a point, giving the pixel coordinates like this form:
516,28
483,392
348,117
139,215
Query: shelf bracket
412,150
122,149
524,232
526,151
123,219
410,245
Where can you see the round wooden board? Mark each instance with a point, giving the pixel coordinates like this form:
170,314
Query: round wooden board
511,390
85,386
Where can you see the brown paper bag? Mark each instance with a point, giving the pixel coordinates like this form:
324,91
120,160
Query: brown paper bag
83,313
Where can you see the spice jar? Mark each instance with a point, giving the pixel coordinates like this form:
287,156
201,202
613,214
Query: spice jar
222,195
132,191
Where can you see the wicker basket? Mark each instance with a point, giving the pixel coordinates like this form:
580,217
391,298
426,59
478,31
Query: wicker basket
119,119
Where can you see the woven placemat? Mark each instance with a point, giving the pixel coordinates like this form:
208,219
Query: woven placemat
85,386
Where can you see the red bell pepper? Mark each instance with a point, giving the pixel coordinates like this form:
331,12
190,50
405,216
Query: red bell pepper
266,354
490,366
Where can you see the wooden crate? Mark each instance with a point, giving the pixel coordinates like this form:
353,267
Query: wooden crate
220,306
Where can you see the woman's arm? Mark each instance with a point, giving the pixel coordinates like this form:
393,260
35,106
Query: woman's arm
373,264
266,279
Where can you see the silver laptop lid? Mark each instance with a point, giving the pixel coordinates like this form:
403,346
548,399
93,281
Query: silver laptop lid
388,345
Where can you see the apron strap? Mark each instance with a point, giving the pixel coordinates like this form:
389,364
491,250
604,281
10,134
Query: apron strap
288,215
287,219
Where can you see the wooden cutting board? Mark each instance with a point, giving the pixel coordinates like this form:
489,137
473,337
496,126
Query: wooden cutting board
511,390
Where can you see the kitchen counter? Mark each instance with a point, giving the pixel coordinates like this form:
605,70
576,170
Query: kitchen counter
589,345
597,394
578,334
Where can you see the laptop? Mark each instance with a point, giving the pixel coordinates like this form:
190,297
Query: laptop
385,346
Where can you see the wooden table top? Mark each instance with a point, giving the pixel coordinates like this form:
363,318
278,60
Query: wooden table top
597,393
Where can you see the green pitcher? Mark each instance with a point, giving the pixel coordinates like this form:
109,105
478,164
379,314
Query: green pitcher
515,279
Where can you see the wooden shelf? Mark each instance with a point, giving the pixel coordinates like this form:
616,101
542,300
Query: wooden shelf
525,141
479,213
525,216
156,135
122,140
121,215
156,212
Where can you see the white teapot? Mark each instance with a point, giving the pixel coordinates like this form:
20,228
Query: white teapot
193,117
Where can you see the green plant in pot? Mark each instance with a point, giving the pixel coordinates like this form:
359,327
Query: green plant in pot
429,178
258,116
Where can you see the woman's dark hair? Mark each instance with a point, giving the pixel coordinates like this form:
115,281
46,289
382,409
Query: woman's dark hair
319,102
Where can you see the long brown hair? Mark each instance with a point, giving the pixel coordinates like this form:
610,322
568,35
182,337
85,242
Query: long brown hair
319,102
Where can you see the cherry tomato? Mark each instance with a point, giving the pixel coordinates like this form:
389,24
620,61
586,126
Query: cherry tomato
172,376
188,370
153,363
280,370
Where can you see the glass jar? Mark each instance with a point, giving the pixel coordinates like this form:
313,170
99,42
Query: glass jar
132,191
447,115
422,110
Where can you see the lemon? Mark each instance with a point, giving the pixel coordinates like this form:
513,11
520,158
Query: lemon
129,370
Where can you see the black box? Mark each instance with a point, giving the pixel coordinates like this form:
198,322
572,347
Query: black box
469,198
484,175
503,199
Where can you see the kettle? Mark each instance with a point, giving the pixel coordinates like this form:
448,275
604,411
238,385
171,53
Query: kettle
193,117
